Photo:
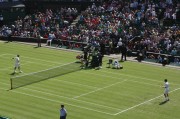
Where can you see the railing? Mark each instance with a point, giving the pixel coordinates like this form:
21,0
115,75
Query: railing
156,56
60,42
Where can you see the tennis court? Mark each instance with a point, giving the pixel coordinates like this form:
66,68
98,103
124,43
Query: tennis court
131,93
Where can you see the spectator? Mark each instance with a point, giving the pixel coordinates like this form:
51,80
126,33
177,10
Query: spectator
138,23
51,37
1,20
124,53
39,37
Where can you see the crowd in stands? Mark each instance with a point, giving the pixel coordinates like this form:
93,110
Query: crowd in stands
135,24
138,24
43,22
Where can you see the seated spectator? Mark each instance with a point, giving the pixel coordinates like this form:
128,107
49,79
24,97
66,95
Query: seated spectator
1,20
50,38
165,61
174,52
176,60
159,59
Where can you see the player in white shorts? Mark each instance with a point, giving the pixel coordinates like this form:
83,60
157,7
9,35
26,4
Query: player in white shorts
17,64
166,90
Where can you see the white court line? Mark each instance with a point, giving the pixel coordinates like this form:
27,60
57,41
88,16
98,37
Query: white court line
130,108
46,92
3,89
143,103
71,99
2,69
129,76
108,76
143,83
44,70
47,99
97,110
34,59
99,75
132,76
105,71
42,60
63,80
122,78
90,108
3,55
76,83
44,64
7,68
137,77
99,89
39,97
112,73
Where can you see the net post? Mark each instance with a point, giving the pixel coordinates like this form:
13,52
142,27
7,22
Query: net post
11,83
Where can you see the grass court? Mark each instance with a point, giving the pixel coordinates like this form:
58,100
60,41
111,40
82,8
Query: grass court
133,92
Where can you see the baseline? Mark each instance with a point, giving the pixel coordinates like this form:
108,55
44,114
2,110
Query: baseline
7,68
123,78
48,93
130,76
130,108
34,59
3,55
59,101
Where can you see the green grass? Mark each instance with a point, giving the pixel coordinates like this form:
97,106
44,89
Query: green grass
131,93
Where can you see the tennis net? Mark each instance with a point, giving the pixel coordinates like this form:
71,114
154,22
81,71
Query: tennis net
27,79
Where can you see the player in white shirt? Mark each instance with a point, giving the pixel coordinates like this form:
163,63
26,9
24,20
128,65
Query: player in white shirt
17,64
166,90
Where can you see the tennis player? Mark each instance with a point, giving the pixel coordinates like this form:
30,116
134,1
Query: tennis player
166,90
17,64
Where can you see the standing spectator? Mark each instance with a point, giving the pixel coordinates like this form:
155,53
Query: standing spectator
39,39
119,45
1,20
174,16
9,34
63,112
100,58
165,60
124,52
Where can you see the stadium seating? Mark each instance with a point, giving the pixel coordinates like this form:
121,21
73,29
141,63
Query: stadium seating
141,26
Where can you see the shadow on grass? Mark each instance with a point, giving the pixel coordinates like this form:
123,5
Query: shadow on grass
163,102
5,42
37,46
12,73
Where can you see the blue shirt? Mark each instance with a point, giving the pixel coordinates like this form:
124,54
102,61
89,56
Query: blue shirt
63,112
